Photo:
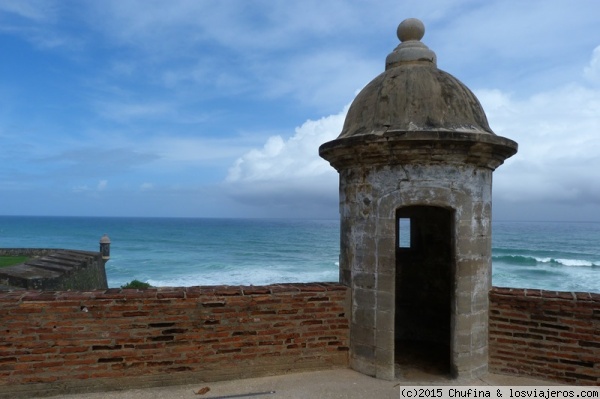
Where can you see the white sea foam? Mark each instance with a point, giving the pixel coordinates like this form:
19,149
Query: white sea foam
574,262
568,262
255,277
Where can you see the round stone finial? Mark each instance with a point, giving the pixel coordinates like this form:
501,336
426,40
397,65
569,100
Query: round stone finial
411,49
411,29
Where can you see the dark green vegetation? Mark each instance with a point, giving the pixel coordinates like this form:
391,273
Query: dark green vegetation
137,285
6,261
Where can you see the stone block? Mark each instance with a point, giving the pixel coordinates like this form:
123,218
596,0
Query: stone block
463,301
364,281
479,336
463,284
462,341
364,262
386,227
365,352
462,323
385,301
480,302
361,334
364,298
386,246
483,209
384,355
364,366
480,318
384,363
386,282
386,264
363,315
473,245
466,362
345,277
385,320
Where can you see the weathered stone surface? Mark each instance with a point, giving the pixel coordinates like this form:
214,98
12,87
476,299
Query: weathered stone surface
484,150
416,146
55,269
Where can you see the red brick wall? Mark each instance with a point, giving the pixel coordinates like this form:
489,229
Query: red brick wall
50,344
545,334
74,341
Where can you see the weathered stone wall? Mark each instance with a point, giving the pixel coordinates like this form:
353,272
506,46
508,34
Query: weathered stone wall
54,342
370,196
546,334
55,269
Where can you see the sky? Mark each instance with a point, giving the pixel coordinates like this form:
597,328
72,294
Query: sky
197,108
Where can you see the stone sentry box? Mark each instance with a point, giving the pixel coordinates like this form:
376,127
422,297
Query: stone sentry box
415,159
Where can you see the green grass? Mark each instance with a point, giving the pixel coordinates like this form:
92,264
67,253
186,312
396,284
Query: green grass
137,284
6,261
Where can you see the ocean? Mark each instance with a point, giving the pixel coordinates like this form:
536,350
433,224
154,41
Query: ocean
560,256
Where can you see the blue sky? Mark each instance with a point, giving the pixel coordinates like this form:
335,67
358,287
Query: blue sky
217,108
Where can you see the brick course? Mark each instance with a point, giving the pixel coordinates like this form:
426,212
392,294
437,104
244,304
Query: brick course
545,334
173,335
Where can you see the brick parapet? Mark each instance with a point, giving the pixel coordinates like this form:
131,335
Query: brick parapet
546,334
115,338
71,341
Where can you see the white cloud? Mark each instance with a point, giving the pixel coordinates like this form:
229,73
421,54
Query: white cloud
88,162
84,188
281,160
190,157
592,71
330,78
37,21
37,10
250,26
263,49
173,88
558,132
123,112
287,176
81,188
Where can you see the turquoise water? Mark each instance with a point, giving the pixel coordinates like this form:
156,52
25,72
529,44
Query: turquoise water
184,252
558,256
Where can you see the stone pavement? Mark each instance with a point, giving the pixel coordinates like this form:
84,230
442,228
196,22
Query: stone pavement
339,383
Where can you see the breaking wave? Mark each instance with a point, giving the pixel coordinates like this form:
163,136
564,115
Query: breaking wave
523,260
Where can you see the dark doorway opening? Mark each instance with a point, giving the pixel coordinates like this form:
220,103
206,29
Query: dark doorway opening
424,286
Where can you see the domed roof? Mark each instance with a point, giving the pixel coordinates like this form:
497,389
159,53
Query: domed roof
414,95
415,113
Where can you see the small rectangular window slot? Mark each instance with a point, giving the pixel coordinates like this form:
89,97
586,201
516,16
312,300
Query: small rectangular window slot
404,233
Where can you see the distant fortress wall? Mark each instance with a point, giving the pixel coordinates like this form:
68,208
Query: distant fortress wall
54,269
69,342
